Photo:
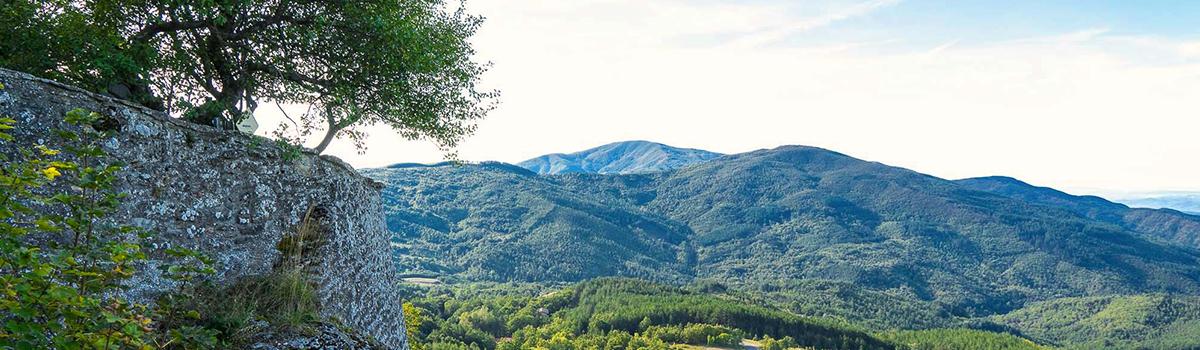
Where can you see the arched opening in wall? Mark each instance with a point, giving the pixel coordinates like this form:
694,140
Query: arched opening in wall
282,302
107,123
297,249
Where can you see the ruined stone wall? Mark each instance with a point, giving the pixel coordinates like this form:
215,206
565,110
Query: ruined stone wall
233,197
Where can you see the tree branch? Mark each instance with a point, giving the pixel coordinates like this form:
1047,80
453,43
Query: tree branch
154,29
317,85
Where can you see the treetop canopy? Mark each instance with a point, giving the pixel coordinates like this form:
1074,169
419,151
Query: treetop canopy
404,63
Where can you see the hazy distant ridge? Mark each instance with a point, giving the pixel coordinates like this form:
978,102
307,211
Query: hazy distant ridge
1171,225
628,157
1188,202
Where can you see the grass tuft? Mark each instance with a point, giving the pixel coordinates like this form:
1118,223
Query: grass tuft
285,299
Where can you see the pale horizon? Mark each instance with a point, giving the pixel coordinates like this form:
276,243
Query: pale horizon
1086,97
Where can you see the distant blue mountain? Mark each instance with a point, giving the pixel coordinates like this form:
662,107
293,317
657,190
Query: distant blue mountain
1188,202
628,157
1169,224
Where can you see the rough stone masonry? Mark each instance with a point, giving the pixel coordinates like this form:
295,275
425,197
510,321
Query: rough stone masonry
233,197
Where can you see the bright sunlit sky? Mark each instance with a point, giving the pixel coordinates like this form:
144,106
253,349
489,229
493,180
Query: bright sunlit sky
1086,96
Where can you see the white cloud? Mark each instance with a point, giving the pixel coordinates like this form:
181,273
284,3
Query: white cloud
1082,110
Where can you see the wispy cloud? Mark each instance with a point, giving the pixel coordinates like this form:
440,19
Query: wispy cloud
1079,36
942,47
778,33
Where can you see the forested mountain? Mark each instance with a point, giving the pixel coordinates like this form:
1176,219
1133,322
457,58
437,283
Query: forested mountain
803,229
501,222
1171,225
808,213
628,157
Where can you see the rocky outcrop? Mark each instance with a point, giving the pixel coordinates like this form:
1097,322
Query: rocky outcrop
233,197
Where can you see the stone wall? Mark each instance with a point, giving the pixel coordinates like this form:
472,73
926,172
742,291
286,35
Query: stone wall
233,197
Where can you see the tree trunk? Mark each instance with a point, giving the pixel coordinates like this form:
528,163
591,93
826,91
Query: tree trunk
325,141
329,134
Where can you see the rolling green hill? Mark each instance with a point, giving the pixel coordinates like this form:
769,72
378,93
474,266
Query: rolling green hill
1149,321
809,213
620,313
500,222
608,309
803,229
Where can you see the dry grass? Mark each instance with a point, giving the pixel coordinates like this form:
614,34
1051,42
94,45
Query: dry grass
309,236
286,298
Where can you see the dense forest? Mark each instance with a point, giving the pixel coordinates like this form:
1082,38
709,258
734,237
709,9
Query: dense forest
1150,321
618,313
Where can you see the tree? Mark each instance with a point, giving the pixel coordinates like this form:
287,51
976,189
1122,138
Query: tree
414,318
403,63
645,323
78,43
483,319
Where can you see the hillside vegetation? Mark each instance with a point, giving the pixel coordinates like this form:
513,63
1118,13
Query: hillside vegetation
1165,224
801,229
626,313
794,213
500,222
946,339
1153,321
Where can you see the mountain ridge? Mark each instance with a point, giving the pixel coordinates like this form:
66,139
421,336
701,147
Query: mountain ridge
789,213
1166,224
1183,201
623,157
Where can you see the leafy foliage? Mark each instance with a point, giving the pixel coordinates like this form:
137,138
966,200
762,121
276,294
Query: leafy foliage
406,64
856,304
62,261
79,43
623,304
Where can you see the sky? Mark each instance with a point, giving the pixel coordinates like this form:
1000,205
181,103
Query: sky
1097,97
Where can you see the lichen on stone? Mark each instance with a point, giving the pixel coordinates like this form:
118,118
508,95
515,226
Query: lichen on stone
231,197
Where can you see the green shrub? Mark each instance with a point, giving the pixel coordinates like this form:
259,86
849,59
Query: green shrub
63,262
284,299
